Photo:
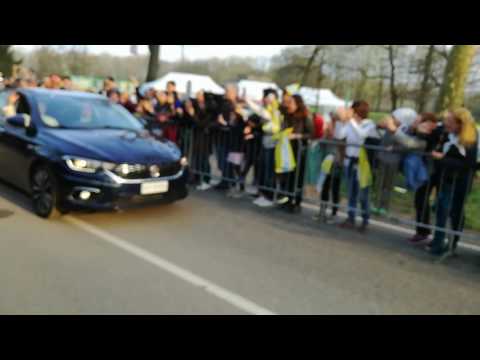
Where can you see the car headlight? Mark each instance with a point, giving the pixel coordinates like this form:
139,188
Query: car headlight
87,165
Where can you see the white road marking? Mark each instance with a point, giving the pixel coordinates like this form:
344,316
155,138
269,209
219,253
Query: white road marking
221,293
396,228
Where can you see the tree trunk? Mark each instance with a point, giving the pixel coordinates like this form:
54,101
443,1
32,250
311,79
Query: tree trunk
154,62
393,89
425,86
380,93
308,68
452,92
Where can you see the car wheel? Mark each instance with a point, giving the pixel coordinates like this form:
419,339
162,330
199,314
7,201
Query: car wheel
45,193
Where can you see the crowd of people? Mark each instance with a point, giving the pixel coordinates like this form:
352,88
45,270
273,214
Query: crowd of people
275,138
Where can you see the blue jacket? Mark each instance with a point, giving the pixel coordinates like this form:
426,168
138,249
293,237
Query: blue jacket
415,171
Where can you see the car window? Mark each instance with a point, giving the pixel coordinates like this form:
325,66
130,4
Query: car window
3,104
85,113
22,106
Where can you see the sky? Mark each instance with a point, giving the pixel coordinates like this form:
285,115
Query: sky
192,52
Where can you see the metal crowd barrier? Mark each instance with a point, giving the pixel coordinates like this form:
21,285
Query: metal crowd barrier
209,153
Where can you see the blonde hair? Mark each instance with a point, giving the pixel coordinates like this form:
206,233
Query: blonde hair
468,132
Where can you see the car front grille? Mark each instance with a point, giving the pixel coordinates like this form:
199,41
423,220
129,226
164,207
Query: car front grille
144,172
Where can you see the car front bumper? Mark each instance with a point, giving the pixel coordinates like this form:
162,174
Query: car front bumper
106,194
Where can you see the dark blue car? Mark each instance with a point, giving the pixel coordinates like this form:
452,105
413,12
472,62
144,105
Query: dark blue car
73,151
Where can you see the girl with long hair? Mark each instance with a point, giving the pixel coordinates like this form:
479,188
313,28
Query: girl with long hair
455,161
296,117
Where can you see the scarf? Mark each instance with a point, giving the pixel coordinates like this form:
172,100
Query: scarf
453,141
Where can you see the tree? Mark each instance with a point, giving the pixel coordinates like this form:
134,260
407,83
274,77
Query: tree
309,65
78,61
46,60
7,60
296,65
452,93
392,79
425,87
154,62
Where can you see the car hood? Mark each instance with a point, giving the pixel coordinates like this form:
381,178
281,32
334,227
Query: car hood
117,146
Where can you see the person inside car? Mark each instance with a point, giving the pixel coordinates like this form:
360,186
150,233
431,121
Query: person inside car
10,109
114,96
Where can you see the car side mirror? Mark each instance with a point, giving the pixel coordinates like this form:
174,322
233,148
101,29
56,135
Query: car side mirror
19,121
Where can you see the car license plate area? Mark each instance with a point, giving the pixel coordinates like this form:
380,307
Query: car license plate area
158,187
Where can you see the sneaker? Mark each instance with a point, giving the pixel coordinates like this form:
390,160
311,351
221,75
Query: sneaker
282,201
204,187
262,202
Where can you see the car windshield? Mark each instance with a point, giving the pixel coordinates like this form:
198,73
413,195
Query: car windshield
67,112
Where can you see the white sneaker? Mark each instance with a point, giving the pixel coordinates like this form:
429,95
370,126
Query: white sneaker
262,202
282,200
204,187
258,199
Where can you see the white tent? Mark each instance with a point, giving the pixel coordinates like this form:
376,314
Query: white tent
322,97
254,89
197,83
325,99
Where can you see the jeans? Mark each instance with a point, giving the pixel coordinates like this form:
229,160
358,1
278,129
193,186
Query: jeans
450,204
204,167
356,194
332,184
422,207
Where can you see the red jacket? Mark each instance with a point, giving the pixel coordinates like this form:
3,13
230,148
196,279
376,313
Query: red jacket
318,124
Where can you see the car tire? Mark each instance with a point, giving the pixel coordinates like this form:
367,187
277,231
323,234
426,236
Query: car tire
45,195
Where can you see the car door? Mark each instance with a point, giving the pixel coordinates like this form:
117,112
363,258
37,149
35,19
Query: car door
17,150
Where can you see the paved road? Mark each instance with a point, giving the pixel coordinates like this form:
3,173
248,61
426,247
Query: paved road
211,255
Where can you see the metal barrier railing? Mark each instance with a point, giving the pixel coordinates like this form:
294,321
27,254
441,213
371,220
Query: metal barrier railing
238,162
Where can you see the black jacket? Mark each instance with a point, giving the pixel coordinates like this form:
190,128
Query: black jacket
454,165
